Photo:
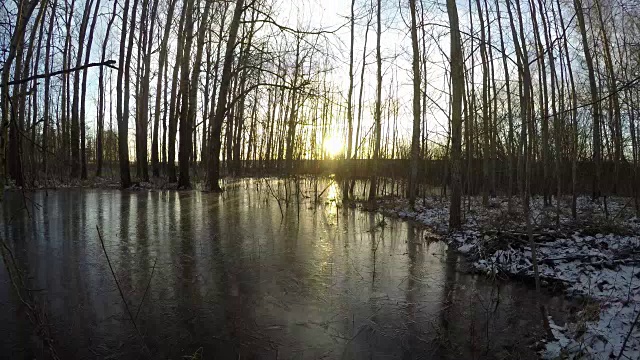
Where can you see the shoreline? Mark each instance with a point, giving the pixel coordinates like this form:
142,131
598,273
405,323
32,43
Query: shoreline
593,259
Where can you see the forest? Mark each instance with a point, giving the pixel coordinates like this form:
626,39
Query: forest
509,128
154,89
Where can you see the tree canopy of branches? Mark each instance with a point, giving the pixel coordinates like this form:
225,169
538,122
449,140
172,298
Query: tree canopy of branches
537,97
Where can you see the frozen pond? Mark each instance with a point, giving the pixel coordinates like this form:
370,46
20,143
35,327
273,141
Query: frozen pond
239,276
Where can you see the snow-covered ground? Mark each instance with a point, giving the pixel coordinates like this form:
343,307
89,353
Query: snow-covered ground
597,258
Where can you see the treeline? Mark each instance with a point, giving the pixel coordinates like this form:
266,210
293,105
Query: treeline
194,82
568,104
173,86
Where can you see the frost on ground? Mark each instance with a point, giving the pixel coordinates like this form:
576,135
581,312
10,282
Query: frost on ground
96,182
595,258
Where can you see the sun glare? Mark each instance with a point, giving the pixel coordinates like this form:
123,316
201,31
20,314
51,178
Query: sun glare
333,147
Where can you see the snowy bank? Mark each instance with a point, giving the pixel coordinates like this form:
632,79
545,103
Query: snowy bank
595,259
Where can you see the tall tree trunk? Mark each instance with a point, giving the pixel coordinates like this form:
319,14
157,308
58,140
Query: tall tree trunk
123,99
493,110
574,120
206,97
24,14
615,101
212,111
510,149
526,106
184,153
245,62
66,63
18,105
173,113
378,109
555,118
155,163
543,99
34,122
101,96
485,108
76,167
594,98
293,118
345,188
186,124
470,126
457,89
143,118
221,108
83,145
21,96
415,138
47,82
18,109
361,90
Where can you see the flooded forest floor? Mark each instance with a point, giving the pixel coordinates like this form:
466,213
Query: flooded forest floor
281,268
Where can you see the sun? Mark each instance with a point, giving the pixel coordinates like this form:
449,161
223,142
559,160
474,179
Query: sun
333,147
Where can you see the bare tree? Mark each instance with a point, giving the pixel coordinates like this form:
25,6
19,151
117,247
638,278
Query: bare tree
594,97
76,167
457,90
221,107
122,99
173,104
101,96
26,9
415,137
378,110
345,190
83,99
47,87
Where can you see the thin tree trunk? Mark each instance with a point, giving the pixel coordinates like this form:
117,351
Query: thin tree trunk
555,118
361,91
345,188
123,99
47,84
221,108
594,98
76,167
485,108
493,110
83,145
34,123
457,89
24,14
415,138
293,116
101,95
174,102
142,93
510,150
615,102
378,110
188,87
162,61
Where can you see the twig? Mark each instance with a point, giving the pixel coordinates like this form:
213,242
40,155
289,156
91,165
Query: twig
38,318
323,191
624,344
108,63
146,289
622,209
275,196
124,300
